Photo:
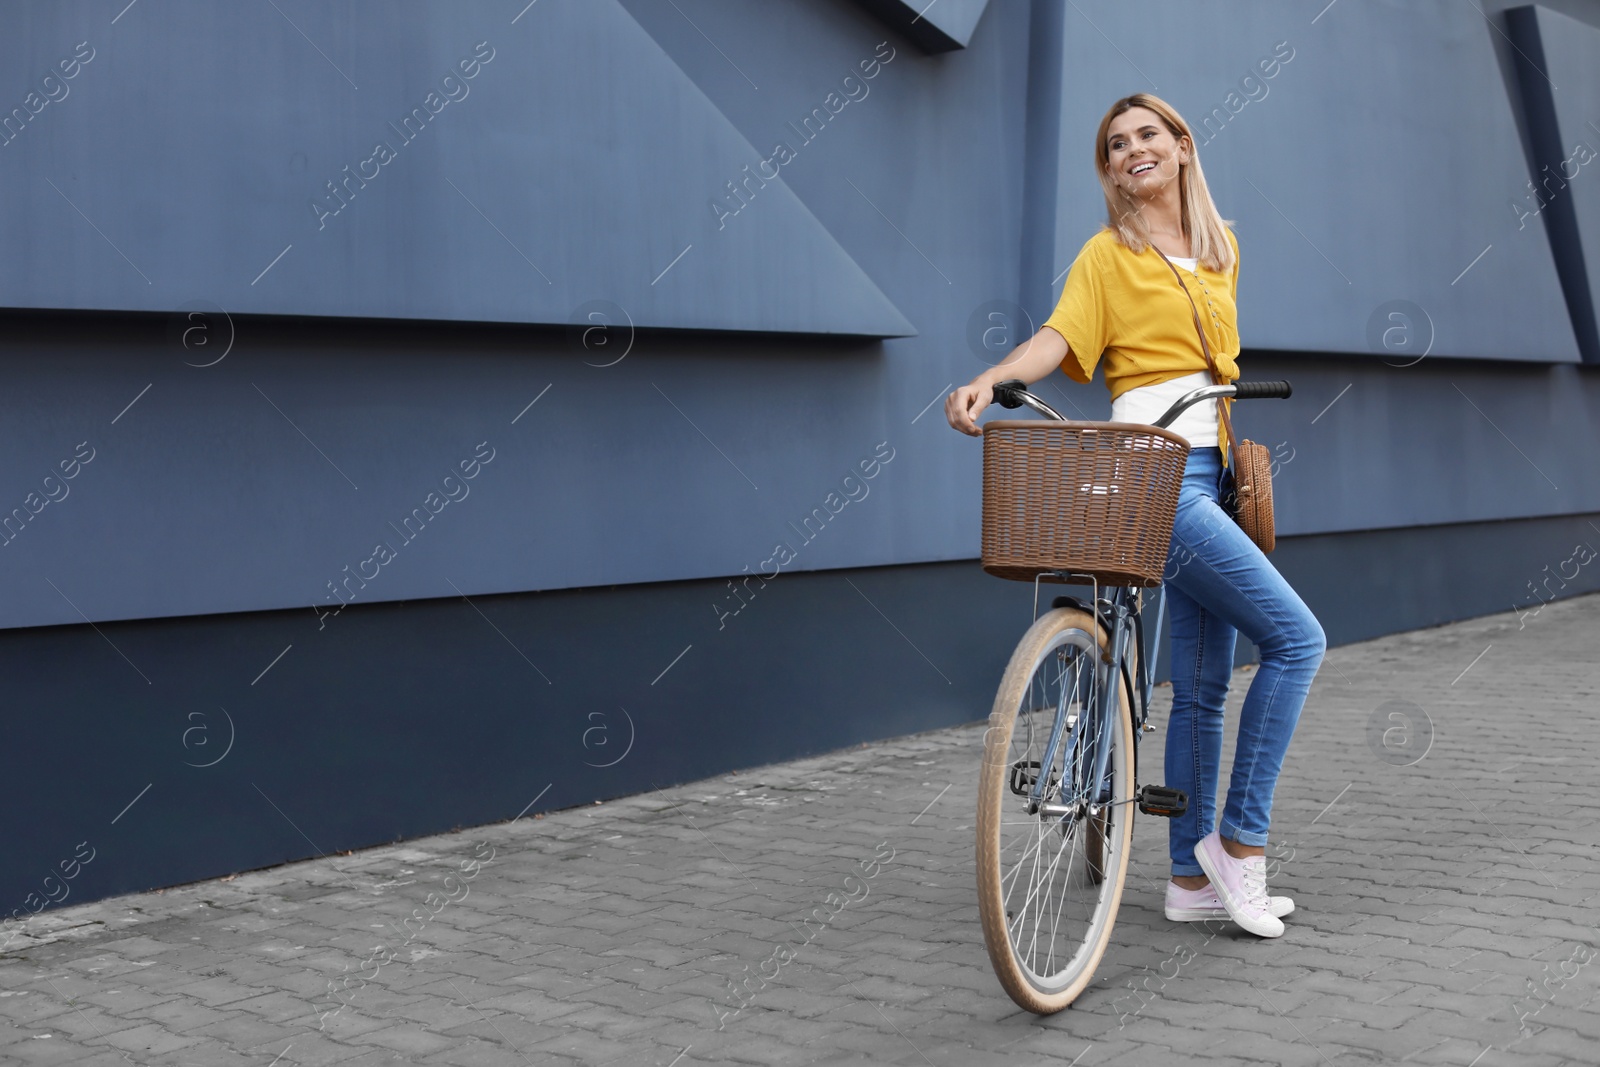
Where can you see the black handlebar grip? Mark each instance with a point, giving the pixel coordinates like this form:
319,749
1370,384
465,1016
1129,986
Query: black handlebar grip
1005,393
1262,390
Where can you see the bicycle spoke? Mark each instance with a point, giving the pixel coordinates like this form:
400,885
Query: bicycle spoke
1043,887
1050,872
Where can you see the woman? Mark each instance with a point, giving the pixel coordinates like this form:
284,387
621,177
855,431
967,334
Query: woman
1122,301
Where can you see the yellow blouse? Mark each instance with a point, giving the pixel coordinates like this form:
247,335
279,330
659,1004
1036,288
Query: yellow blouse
1129,309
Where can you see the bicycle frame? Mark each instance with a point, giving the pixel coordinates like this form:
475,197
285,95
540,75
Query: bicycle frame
1120,614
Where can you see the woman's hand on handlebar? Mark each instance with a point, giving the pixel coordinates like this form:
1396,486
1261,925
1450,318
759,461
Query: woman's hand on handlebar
962,407
1030,361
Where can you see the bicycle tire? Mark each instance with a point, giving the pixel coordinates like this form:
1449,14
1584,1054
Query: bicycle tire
1080,643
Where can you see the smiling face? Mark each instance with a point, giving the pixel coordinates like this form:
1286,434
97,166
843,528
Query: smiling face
1142,155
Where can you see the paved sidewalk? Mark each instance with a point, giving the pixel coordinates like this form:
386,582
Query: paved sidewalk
1436,823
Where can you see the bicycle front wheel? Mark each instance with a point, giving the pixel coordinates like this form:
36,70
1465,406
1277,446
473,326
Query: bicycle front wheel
1051,862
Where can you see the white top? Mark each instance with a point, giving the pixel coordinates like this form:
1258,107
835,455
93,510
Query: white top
1146,404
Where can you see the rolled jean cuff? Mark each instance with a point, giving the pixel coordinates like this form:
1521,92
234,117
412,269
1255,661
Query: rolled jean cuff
1243,837
1188,870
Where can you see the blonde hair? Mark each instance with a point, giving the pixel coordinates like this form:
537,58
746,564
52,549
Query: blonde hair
1202,223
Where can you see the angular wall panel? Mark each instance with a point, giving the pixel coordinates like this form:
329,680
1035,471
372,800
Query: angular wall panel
1558,68
1354,182
576,163
934,25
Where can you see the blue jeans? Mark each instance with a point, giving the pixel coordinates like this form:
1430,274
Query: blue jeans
1218,586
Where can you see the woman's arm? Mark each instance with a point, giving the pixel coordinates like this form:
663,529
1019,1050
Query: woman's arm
1033,359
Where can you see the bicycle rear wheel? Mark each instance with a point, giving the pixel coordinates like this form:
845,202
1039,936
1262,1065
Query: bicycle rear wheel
1049,884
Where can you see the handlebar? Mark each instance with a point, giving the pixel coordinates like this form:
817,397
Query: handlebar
1262,390
1013,393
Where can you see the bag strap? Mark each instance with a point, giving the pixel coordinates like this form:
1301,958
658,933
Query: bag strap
1205,347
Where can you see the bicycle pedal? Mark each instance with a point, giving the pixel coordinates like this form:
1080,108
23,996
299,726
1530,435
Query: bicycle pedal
1163,801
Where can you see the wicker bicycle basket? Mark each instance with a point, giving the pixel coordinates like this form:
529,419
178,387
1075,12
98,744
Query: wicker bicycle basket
1084,498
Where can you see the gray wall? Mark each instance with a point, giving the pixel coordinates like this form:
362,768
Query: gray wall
670,388
594,141
403,719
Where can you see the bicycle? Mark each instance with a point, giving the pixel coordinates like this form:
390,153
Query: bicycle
1078,503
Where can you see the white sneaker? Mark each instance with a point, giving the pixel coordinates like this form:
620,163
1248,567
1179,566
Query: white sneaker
1241,886
1199,905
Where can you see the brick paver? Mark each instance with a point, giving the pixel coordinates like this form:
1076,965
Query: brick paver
1445,912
